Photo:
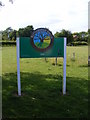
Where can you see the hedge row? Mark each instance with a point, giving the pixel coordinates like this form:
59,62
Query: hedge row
9,43
77,43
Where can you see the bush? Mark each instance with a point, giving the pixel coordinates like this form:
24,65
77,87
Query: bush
9,43
79,43
69,44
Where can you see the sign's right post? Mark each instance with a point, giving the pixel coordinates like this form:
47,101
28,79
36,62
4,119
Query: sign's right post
64,68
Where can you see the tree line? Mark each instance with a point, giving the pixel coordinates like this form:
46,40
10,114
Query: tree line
77,37
11,34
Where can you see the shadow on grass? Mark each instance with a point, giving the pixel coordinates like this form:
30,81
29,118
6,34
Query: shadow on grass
58,64
42,96
84,65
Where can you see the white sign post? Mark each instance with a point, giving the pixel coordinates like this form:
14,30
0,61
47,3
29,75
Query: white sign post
64,68
18,68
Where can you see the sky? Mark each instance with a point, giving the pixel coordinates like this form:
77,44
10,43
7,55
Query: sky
55,15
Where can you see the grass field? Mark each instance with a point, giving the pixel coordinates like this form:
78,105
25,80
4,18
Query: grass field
41,84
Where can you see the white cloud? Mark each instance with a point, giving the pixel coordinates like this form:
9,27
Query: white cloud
53,14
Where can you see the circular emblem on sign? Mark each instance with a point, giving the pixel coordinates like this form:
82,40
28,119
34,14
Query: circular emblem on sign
42,39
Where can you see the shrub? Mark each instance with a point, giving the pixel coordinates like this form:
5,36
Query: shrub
9,43
79,43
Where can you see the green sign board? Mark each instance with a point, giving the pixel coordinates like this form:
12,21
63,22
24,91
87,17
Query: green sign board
41,43
33,48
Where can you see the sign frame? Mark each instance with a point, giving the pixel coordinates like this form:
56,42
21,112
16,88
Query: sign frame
18,67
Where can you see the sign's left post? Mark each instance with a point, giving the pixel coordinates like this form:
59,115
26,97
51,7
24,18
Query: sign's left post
18,66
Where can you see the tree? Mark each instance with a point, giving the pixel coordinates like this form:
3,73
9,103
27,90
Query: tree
2,4
57,34
65,33
13,35
5,33
80,36
0,35
25,32
9,29
89,31
76,36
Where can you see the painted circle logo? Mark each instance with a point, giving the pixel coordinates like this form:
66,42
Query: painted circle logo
42,39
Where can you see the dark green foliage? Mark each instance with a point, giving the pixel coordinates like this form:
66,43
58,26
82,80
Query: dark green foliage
12,35
4,35
8,43
25,32
77,38
81,36
65,33
89,36
78,43
89,31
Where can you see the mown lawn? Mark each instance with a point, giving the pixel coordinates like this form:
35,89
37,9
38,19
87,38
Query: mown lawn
41,84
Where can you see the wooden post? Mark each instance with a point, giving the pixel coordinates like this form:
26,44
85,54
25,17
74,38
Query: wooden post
45,59
56,61
88,60
74,56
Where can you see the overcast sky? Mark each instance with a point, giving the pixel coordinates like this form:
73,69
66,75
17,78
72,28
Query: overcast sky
53,14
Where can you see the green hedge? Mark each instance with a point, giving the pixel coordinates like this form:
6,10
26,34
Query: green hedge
13,43
78,43
9,43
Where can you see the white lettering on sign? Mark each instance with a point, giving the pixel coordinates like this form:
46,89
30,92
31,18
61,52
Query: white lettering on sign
42,54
